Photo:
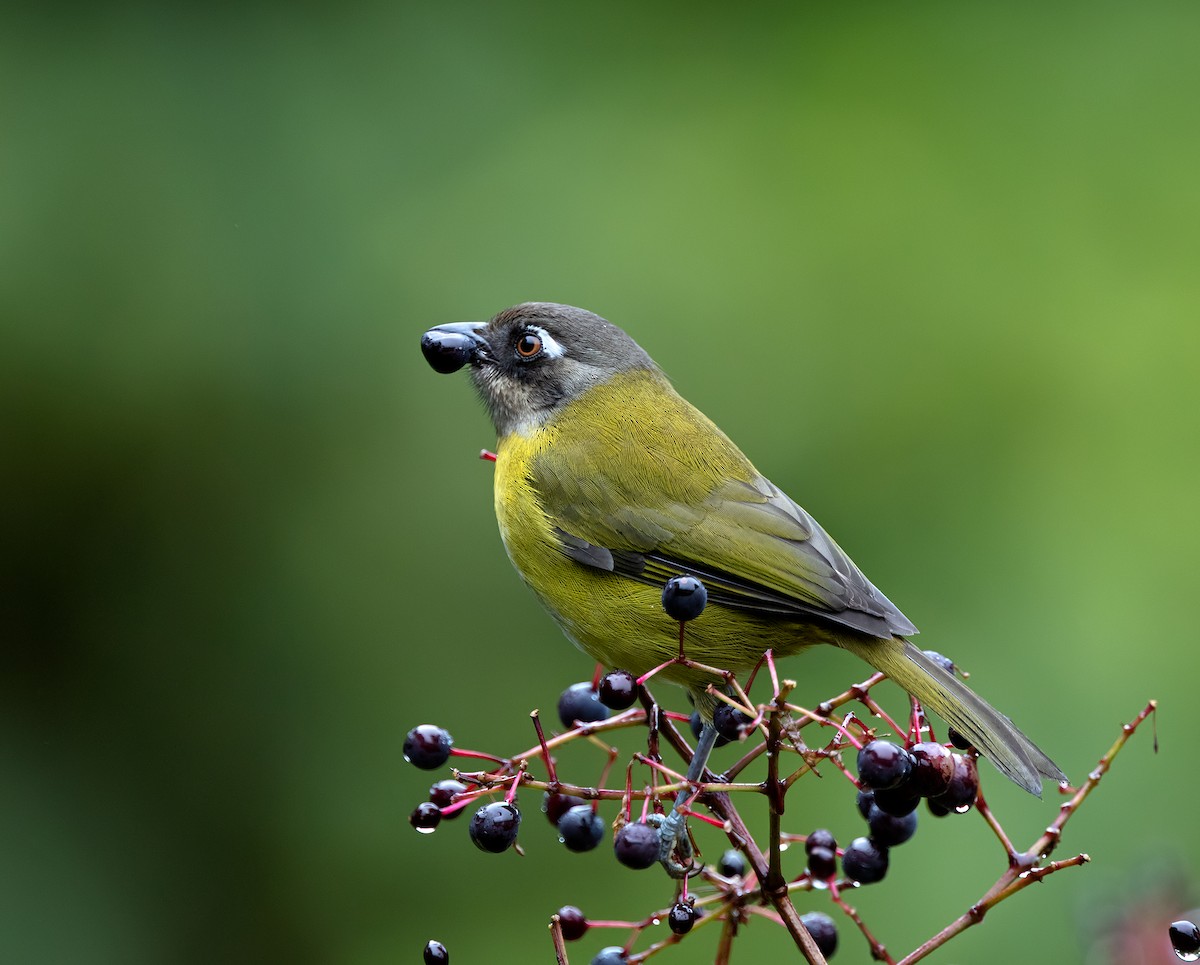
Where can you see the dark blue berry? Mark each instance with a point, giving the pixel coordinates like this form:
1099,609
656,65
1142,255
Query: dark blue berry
574,926
730,722
823,931
442,794
822,863
494,826
681,917
611,955
889,830
580,702
944,662
896,801
436,954
618,690
959,741
865,861
865,801
732,864
1185,939
425,817
882,765
684,598
938,810
581,828
556,805
820,838
697,724
636,846
933,766
427,746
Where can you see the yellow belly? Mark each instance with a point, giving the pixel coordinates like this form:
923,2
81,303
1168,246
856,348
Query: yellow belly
614,619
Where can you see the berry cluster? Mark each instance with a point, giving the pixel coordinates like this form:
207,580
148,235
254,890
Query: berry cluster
893,775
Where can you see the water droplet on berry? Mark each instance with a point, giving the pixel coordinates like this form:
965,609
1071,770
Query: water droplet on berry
655,921
426,830
1187,956
962,809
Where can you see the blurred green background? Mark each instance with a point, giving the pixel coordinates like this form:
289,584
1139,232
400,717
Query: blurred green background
933,266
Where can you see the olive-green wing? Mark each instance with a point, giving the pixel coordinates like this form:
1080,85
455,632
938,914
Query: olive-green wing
651,505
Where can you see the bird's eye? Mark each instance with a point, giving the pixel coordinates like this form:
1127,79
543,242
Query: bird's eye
529,346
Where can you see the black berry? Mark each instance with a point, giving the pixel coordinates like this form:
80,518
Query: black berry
427,746
681,917
964,784
618,690
494,826
1185,939
556,805
425,817
697,724
636,846
436,954
944,662
580,702
442,794
896,801
933,766
823,931
959,741
820,838
572,923
865,801
889,830
684,598
732,864
822,863
938,810
581,828
865,861
883,765
730,722
612,955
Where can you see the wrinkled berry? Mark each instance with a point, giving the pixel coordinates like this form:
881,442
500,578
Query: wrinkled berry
897,801
681,917
732,864
883,765
865,861
889,830
610,955
427,746
1185,939
697,724
581,828
964,784
618,690
730,722
580,702
556,805
684,598
436,954
823,931
425,817
820,838
636,846
494,826
442,794
574,926
822,863
933,766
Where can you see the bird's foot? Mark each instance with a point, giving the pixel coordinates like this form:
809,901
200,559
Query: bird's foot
673,841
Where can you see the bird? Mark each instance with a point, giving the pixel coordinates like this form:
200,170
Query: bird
608,483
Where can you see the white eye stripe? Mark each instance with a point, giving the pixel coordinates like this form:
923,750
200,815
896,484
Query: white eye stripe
550,348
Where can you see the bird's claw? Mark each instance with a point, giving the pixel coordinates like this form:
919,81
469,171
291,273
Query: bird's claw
673,839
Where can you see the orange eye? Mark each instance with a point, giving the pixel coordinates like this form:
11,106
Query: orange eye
529,345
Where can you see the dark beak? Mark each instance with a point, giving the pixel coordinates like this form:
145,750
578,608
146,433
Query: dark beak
447,348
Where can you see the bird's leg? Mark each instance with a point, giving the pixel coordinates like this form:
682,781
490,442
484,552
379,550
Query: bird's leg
672,829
